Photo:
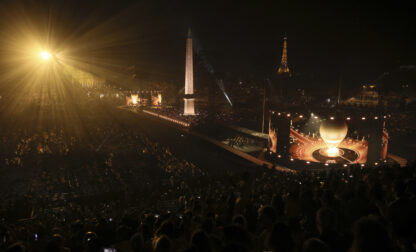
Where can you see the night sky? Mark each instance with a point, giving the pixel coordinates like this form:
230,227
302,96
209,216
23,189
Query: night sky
237,39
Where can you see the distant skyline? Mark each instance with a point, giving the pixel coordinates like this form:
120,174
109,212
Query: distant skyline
355,39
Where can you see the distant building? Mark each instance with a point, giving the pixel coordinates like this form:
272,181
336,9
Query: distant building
280,84
367,97
189,100
284,67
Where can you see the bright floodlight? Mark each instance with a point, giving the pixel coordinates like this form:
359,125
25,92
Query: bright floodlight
45,55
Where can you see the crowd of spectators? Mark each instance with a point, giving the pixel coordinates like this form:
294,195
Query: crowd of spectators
176,114
202,115
115,188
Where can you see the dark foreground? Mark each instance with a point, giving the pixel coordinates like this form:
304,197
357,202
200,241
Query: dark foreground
105,178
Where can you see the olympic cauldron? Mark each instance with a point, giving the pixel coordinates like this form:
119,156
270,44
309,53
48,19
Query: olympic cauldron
332,137
332,132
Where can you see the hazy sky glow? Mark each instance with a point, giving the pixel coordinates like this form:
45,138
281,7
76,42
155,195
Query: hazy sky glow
359,40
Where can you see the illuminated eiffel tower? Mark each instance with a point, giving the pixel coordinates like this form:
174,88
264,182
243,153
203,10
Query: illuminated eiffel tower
284,68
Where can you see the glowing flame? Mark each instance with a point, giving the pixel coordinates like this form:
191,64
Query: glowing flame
333,132
332,151
159,97
155,100
134,99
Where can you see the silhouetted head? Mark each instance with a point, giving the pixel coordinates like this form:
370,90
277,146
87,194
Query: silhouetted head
314,245
16,247
280,238
267,215
201,241
146,231
370,235
162,244
235,247
240,220
399,187
123,233
233,233
136,242
166,228
326,220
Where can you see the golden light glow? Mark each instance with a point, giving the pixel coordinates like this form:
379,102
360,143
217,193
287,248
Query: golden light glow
284,68
45,55
333,132
332,152
134,99
304,147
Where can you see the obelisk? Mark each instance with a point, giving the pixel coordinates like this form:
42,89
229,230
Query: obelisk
189,106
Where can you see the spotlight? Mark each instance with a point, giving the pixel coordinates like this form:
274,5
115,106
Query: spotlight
45,55
348,118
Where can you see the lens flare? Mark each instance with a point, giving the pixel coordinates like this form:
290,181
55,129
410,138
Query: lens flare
45,55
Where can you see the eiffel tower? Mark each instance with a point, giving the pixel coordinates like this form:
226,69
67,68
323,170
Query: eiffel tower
284,68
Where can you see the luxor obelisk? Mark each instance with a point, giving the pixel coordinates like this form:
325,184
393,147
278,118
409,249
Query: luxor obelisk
189,106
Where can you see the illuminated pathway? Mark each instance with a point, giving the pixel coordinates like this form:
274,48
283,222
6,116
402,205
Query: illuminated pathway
200,155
